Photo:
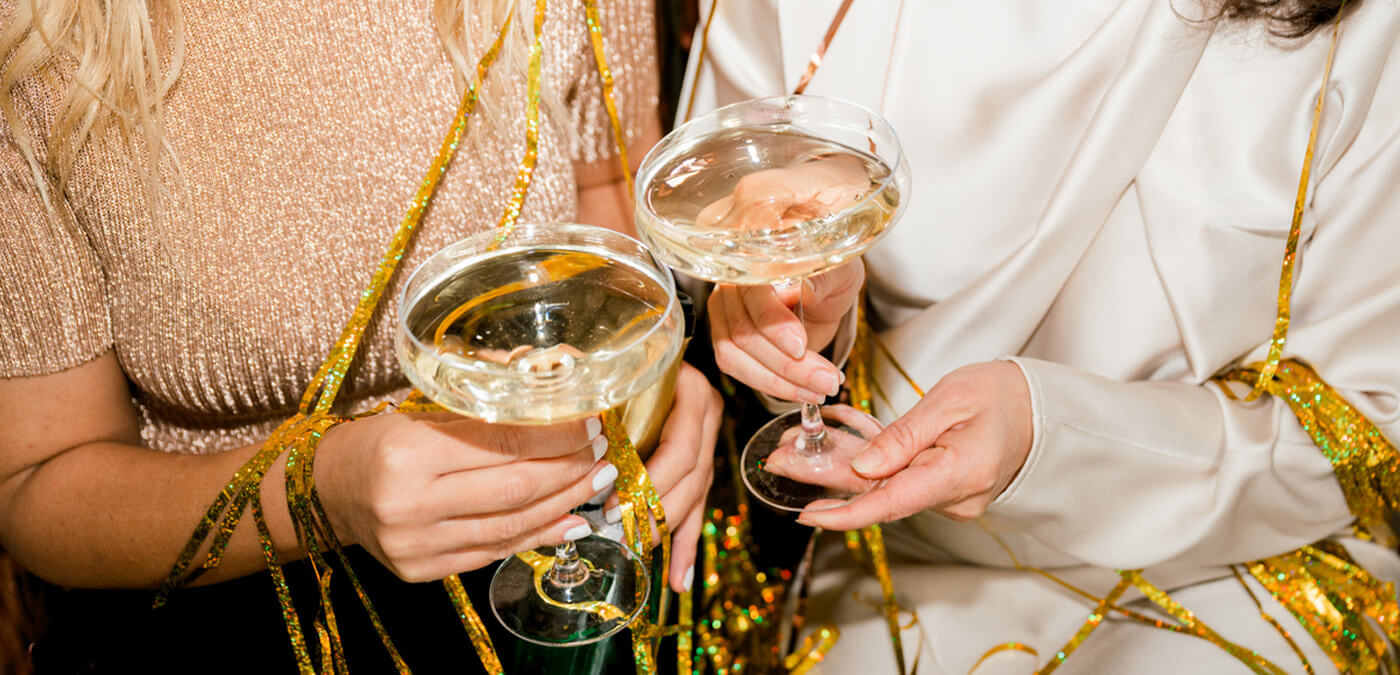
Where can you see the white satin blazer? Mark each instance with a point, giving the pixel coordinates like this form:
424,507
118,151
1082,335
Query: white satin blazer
1102,190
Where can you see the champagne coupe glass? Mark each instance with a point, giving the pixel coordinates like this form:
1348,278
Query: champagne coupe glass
773,191
555,322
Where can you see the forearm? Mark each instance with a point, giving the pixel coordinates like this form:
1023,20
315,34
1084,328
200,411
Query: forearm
114,515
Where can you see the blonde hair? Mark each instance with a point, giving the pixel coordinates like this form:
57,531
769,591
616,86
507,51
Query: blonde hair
116,60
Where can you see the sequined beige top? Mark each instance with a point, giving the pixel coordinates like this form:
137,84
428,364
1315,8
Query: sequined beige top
302,128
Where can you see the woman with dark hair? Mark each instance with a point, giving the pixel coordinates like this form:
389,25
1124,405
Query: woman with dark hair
1092,248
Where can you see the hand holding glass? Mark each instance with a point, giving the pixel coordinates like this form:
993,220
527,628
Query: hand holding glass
556,322
774,191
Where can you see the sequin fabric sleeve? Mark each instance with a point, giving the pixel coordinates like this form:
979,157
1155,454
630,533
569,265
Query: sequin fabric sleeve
629,40
53,312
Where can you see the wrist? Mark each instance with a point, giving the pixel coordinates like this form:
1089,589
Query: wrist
332,476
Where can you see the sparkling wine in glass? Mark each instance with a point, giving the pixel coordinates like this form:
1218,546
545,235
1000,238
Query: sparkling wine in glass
773,191
556,322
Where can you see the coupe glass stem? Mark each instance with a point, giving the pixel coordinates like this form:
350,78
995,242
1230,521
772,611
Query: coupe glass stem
813,428
568,569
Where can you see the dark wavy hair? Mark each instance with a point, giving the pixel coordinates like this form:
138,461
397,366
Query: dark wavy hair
1286,18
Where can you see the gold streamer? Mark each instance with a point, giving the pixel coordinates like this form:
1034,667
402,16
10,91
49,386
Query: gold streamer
813,650
860,377
1332,597
1003,647
1285,284
640,504
1365,461
1283,632
595,36
889,605
526,171
1095,618
1188,620
471,621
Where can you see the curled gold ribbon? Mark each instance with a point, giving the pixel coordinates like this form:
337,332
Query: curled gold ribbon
813,649
1003,647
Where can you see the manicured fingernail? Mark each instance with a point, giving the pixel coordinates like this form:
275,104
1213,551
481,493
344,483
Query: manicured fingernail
689,577
868,461
791,342
593,426
826,382
843,376
600,446
810,396
614,514
577,532
605,477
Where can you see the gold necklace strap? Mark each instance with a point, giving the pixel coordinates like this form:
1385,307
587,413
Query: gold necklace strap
815,60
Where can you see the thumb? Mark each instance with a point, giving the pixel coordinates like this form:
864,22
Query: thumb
892,449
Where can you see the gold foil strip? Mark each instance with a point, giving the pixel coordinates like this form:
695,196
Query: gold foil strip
1278,627
1333,598
471,621
1095,618
859,379
639,503
889,604
1365,461
526,171
595,36
1285,285
685,636
1188,620
1003,647
814,648
309,517
284,594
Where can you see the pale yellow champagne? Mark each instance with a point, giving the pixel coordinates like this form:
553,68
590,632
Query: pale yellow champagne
798,242
539,334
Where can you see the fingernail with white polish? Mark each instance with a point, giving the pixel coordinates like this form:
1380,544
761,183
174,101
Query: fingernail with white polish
689,577
614,514
593,426
826,382
577,532
605,477
600,447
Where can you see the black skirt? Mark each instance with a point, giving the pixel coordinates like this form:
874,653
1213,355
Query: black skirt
236,627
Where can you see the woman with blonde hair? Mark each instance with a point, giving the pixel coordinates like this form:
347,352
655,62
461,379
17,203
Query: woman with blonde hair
192,196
